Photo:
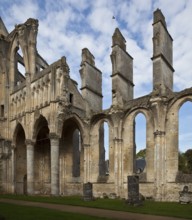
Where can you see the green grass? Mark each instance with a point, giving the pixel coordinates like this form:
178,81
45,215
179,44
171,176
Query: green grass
17,212
149,207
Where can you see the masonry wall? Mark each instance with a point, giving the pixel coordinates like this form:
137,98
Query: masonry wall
51,136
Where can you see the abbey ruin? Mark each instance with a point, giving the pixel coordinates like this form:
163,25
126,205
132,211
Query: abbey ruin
51,135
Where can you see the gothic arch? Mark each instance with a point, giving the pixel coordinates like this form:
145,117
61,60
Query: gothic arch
20,160
128,143
96,124
71,152
14,47
100,118
16,129
39,122
75,118
179,102
172,139
42,156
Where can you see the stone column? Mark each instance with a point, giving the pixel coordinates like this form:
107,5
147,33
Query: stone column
13,185
118,174
87,157
120,155
160,165
30,166
8,145
116,165
54,139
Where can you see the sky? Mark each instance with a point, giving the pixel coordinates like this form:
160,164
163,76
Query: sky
68,26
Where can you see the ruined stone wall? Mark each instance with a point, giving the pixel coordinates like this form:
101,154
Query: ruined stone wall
52,136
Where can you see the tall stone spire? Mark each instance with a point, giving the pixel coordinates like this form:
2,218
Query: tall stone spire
3,29
122,71
162,56
91,81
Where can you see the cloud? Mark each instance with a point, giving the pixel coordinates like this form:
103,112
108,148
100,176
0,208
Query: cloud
21,11
185,141
67,26
100,20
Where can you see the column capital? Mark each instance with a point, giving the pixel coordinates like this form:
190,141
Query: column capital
86,145
29,142
53,136
118,140
159,133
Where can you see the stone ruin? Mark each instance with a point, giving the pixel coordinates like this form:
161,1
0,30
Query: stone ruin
52,135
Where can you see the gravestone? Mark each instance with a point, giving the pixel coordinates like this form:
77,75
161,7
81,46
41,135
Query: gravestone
133,190
185,196
88,191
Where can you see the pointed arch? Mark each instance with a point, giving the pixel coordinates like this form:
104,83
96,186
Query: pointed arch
72,152
15,76
128,134
140,142
101,165
73,118
20,160
42,156
185,137
18,126
172,141
39,123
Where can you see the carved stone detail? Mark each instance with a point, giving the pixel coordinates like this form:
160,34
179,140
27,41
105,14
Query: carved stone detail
53,136
66,127
159,133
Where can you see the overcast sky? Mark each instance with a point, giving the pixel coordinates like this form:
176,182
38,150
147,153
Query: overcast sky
67,26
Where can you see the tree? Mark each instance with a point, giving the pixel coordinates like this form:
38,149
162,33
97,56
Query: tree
185,162
141,154
188,155
182,163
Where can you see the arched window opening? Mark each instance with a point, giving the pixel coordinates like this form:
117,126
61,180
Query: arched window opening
20,67
42,158
104,149
21,162
185,138
71,153
140,143
76,153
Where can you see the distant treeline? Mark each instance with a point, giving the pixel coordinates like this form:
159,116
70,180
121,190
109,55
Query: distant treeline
185,160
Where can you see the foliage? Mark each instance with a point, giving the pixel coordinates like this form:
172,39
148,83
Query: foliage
185,162
141,154
188,155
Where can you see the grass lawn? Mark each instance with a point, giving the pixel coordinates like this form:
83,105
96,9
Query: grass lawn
17,212
149,207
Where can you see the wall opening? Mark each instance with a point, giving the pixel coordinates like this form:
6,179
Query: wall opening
21,161
19,68
76,153
140,143
20,62
104,149
2,111
71,152
42,158
185,138
71,98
